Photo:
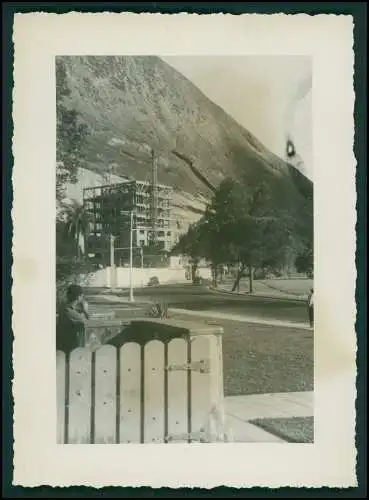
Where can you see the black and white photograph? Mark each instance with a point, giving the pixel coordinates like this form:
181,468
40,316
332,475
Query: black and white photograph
184,249
183,264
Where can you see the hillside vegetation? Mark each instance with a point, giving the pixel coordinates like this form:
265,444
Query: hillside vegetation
132,104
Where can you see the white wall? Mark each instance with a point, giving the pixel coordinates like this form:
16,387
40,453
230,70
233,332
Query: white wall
121,278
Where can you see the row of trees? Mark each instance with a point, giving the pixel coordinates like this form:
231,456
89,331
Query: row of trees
244,228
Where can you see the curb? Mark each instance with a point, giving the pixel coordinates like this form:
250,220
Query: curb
241,319
246,294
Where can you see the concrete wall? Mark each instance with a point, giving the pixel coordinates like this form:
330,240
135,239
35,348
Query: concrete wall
121,277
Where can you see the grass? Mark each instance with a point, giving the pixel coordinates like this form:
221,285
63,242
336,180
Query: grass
259,358
293,430
296,286
293,286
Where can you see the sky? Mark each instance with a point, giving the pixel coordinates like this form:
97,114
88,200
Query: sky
268,95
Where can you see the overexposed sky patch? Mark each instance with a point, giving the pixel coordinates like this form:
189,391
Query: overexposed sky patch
268,95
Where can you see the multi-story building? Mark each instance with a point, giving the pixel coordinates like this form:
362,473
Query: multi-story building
110,207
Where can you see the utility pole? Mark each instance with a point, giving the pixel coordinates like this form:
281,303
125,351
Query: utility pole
141,253
142,267
154,200
131,214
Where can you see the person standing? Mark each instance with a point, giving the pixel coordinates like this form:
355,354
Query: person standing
311,307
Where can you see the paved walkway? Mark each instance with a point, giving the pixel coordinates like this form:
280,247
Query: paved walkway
121,300
268,294
240,409
241,318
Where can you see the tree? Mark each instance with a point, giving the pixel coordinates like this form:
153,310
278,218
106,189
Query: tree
70,268
71,133
256,232
241,226
70,223
305,261
189,244
78,225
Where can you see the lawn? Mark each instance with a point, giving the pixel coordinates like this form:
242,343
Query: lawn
258,358
296,286
292,430
293,286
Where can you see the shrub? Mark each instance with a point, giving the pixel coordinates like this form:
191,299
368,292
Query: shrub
70,270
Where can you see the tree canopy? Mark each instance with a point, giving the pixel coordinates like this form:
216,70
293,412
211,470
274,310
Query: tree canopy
242,225
71,222
71,134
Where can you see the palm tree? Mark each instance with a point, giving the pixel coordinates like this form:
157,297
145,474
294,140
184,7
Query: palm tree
78,225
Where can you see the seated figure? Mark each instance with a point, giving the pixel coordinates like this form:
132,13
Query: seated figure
70,330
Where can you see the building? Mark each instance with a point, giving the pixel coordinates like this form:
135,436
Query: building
110,208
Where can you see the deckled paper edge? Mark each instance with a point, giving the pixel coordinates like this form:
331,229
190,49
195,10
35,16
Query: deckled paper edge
37,460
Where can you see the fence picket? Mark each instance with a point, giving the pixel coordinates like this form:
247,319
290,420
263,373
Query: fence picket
154,392
80,370
130,393
60,395
201,400
105,395
216,389
142,399
177,392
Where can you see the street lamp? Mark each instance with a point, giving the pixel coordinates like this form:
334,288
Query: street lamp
141,254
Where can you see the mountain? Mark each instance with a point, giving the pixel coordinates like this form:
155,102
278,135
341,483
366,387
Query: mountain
133,104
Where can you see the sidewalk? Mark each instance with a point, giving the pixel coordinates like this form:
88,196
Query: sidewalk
124,300
241,318
268,294
240,410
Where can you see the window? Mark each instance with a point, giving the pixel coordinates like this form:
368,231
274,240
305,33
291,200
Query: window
169,233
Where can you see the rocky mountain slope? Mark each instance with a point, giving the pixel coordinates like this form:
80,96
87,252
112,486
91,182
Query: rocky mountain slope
135,104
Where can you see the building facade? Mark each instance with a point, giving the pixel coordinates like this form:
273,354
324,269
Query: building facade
110,207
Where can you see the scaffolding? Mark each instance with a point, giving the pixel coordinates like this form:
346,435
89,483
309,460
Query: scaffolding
109,207
154,200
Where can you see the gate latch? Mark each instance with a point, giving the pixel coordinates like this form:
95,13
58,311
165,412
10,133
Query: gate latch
202,366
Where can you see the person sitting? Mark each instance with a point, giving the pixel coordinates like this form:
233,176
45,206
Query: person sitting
72,320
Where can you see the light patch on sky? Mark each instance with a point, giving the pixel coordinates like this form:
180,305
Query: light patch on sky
262,93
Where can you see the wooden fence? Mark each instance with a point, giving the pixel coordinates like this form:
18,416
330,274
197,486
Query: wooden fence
156,391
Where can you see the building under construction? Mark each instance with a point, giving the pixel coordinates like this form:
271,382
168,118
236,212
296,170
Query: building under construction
110,208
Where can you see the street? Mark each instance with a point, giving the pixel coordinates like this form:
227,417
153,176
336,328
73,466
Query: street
200,298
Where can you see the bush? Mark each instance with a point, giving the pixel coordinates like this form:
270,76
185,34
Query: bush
70,270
